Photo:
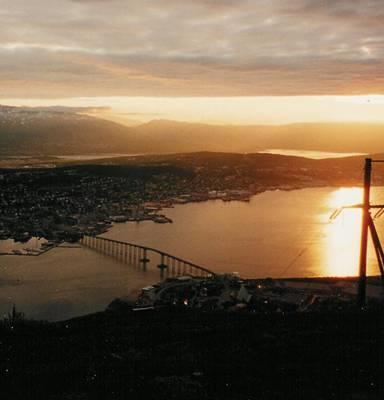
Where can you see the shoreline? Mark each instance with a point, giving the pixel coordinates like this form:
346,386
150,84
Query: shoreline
152,209
149,210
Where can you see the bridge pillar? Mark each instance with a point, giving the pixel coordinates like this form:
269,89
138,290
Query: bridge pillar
130,254
162,266
172,266
178,267
144,259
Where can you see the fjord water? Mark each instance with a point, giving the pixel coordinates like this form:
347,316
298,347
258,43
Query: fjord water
66,282
276,234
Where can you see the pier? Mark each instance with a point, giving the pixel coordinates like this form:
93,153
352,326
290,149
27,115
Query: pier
144,257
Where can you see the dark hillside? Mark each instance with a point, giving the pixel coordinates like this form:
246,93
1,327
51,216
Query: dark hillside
193,355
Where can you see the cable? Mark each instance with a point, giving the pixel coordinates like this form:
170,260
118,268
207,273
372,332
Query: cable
293,262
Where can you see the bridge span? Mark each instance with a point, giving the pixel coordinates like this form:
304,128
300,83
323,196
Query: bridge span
145,257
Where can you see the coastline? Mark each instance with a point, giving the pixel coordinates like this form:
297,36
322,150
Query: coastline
152,208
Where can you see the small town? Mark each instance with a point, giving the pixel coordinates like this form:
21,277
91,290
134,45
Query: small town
63,204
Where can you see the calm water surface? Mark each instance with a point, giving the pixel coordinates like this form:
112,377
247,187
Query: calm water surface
317,155
66,282
277,234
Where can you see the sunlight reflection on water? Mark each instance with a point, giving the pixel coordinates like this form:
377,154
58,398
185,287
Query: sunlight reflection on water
343,234
276,234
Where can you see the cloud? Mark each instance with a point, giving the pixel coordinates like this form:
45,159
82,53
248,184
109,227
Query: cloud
61,48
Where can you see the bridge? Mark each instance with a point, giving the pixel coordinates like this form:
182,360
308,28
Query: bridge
145,257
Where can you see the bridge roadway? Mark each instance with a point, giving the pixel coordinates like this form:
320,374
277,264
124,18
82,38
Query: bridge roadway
134,254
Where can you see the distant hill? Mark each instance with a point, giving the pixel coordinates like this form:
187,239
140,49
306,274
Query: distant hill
57,130
330,137
238,169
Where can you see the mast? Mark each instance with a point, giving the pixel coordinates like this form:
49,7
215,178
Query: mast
361,297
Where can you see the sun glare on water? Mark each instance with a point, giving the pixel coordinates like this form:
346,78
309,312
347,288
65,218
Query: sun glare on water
343,234
346,197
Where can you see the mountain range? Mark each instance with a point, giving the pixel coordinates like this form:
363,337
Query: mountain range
62,131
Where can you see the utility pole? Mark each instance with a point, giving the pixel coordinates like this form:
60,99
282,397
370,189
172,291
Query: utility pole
364,234
367,225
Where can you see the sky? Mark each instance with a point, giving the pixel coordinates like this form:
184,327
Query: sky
221,61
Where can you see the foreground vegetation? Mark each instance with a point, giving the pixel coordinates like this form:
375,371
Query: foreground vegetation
179,354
